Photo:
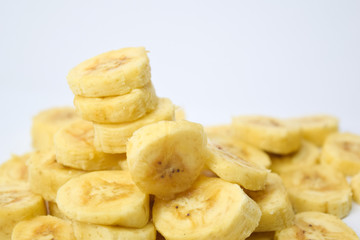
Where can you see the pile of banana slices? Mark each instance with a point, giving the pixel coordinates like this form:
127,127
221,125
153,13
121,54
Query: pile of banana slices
125,164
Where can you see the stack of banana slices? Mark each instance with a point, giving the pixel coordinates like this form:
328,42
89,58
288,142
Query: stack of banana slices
125,164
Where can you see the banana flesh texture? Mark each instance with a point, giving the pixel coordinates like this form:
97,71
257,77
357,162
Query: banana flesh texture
319,188
211,209
46,175
47,123
166,157
74,147
307,155
106,198
355,186
236,170
317,128
43,227
117,109
277,212
317,226
17,203
111,74
112,138
15,170
261,236
267,133
342,151
86,231
222,135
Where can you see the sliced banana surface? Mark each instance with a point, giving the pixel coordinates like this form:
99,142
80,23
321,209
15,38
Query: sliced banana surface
104,197
43,227
211,209
15,170
166,157
112,73
355,187
317,226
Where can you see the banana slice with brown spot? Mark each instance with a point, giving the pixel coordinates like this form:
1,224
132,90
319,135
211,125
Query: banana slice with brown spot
317,226
316,128
15,170
267,133
342,151
355,186
166,157
307,155
274,202
110,74
74,147
46,123
112,138
236,170
211,209
117,109
318,188
46,175
43,227
106,198
87,231
17,203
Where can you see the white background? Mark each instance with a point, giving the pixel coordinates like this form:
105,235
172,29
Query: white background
217,59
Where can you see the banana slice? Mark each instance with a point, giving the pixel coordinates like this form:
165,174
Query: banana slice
17,203
317,128
110,74
261,236
74,148
342,151
46,175
166,157
43,227
277,212
118,109
86,231
104,197
355,186
46,123
180,113
318,188
112,138
236,170
15,170
307,155
269,134
317,226
211,209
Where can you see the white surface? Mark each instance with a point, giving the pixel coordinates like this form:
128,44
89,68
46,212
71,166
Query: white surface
217,59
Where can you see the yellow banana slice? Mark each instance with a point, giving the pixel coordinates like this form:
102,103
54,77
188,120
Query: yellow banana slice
15,170
17,203
46,123
118,109
261,236
180,113
211,209
317,226
236,170
46,175
112,73
307,155
43,227
112,138
355,186
277,212
317,128
342,151
166,157
269,134
86,231
74,147
106,198
318,188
